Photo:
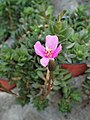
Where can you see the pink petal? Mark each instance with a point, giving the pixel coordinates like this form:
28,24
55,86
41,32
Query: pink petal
39,49
56,52
44,61
51,41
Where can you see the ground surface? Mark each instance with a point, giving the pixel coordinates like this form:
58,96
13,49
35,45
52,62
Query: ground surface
9,110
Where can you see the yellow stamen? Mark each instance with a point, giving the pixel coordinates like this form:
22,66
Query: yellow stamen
48,52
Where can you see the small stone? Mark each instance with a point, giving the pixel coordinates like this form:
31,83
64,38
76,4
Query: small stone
84,97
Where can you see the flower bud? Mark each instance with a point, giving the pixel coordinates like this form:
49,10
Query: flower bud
51,65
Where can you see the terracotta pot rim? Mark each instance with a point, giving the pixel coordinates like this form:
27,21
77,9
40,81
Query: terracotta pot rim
75,69
5,83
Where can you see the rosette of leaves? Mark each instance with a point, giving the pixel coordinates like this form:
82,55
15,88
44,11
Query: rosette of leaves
75,44
78,19
60,28
76,47
75,53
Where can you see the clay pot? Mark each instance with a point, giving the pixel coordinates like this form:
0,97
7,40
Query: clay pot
75,69
6,85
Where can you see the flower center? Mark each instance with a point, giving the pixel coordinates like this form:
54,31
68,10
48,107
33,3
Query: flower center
48,52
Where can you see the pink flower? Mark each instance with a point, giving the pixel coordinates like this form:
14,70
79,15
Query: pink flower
51,50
